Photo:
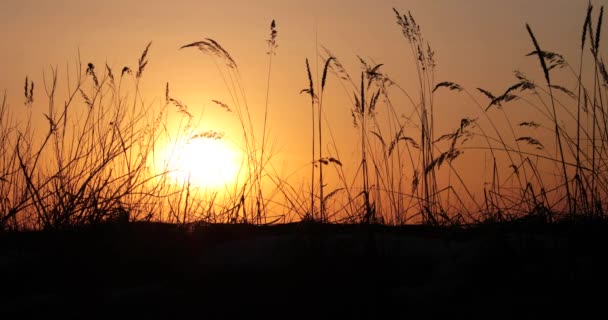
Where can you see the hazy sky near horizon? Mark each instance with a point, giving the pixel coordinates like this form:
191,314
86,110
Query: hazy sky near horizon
478,43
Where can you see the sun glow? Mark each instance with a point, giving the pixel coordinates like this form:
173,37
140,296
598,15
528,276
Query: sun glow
204,161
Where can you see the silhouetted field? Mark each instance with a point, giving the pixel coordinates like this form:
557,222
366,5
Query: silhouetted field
302,270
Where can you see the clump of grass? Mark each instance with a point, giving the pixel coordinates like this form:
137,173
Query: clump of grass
318,160
313,97
251,199
75,175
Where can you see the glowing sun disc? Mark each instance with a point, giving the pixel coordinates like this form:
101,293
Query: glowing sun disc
205,162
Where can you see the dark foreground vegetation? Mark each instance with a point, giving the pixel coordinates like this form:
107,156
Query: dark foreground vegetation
521,269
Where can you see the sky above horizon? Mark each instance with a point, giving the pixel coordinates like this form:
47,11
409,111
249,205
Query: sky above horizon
477,43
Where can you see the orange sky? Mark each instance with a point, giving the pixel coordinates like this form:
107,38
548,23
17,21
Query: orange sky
478,43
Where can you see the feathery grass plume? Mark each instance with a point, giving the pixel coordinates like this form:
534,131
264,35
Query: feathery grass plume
466,122
340,70
514,87
399,137
328,160
598,31
377,135
310,90
225,53
403,23
449,85
204,46
181,108
126,70
143,61
211,46
447,156
408,25
564,90
272,42
585,102
31,95
420,56
448,136
86,99
364,63
325,72
430,55
207,134
167,93
110,74
332,193
415,180
487,93
353,111
555,60
531,141
373,75
603,72
411,141
334,160
539,52
530,124
373,72
52,125
505,97
586,24
28,91
373,101
463,133
526,84
222,105
394,142
91,71
415,26
201,45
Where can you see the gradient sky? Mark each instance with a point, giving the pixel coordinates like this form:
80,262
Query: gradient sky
478,43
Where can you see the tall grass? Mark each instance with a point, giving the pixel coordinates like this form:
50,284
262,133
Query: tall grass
440,197
92,163
82,171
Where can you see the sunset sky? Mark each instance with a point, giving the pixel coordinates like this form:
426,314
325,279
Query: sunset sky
477,43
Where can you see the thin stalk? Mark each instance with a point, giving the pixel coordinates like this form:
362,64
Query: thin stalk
555,120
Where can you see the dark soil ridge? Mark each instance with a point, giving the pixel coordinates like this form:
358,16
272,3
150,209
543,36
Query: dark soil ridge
520,269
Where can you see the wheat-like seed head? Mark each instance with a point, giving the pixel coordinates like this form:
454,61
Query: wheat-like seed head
586,25
325,72
310,89
598,30
222,105
449,85
143,61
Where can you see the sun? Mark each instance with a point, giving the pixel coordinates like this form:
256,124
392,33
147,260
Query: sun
205,160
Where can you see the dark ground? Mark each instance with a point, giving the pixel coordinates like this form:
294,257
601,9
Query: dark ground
306,271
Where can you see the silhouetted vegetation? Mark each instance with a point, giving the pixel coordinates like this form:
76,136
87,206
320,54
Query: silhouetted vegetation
93,166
